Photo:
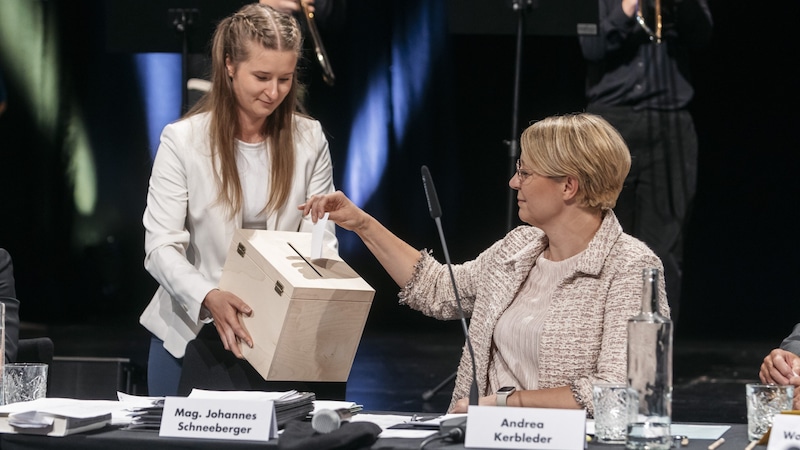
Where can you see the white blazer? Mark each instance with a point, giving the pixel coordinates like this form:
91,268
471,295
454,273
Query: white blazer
187,233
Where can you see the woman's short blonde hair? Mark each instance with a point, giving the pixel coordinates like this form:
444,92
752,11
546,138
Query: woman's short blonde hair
583,146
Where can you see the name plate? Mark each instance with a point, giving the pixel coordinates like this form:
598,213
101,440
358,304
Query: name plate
785,432
525,428
239,420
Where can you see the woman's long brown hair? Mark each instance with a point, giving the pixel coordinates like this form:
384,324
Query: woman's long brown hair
273,31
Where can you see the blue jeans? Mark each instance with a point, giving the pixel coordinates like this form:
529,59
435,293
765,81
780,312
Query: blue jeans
163,370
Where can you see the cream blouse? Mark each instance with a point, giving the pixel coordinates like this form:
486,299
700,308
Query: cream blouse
515,346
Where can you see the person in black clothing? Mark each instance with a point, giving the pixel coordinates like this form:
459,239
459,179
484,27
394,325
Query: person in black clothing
638,80
8,296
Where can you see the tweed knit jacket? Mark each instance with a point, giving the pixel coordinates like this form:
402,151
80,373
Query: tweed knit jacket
584,338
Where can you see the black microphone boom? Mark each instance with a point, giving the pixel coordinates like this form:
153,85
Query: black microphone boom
430,194
436,214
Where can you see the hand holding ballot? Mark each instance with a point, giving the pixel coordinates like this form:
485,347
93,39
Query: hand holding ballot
342,211
397,257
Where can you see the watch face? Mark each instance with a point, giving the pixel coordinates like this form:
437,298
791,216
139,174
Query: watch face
505,389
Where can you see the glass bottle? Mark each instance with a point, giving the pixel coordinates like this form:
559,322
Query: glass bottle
649,372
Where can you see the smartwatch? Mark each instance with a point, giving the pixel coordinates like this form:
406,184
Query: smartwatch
503,393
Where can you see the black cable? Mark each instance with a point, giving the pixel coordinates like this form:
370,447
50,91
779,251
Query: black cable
429,439
455,435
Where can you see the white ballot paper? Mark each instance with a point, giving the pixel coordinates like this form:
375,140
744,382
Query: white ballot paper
316,237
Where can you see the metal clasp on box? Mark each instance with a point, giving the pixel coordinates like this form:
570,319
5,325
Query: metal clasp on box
279,288
240,249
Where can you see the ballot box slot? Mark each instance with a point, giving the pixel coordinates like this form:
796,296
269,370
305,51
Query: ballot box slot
304,259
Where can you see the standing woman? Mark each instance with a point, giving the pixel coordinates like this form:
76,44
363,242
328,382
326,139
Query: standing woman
243,157
550,301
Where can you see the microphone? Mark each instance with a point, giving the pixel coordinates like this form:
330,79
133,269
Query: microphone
326,420
430,195
436,214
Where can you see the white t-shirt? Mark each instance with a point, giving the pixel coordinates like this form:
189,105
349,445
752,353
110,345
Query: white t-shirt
252,161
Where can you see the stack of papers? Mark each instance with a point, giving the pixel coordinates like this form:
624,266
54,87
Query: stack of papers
289,405
141,413
336,404
56,416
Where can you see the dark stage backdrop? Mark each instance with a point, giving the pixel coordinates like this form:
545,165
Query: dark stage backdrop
741,259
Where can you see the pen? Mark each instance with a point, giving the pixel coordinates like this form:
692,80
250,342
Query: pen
716,443
751,445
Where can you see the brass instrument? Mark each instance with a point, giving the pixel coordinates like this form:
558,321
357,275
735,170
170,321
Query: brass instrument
319,49
654,35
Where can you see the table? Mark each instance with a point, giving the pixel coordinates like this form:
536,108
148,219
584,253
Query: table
117,439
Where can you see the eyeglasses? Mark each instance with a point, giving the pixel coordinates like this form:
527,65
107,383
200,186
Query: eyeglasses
525,174
522,174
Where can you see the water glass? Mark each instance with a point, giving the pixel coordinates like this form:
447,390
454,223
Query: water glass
24,381
763,402
611,414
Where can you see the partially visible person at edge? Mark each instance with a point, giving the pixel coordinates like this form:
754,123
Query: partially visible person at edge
782,365
549,302
241,158
8,296
643,88
3,95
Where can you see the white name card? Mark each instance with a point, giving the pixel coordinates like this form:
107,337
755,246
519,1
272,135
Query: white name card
785,432
201,418
525,428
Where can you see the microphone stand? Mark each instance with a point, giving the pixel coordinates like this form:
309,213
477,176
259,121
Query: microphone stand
513,144
183,20
436,213
473,390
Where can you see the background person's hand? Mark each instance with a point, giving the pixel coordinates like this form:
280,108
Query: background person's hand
629,7
225,309
287,6
781,367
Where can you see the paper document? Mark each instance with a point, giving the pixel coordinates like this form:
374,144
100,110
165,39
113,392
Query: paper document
244,395
56,416
317,236
132,401
401,426
30,419
66,407
336,404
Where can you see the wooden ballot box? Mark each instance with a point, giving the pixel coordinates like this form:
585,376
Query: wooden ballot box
308,315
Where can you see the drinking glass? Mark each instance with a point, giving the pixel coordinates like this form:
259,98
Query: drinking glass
763,402
24,381
611,414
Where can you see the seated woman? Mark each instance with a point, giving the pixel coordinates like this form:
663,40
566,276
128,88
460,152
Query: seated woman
550,301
